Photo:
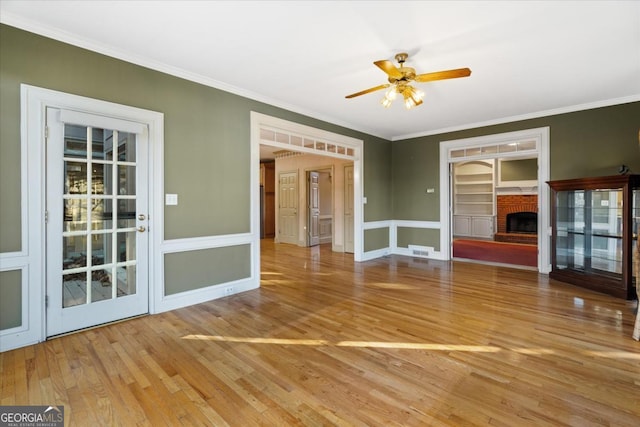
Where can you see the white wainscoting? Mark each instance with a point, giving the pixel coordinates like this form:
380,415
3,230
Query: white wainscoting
196,296
412,250
29,331
326,228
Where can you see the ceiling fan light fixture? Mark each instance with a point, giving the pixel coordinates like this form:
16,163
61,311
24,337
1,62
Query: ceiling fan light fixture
389,96
409,103
399,79
391,93
412,97
418,95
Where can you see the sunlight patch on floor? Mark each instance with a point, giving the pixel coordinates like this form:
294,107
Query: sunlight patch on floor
614,354
533,351
360,344
253,340
420,346
405,345
382,285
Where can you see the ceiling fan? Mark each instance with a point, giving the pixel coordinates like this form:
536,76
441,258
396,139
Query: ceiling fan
400,79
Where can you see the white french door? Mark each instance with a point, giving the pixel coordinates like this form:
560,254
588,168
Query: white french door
97,219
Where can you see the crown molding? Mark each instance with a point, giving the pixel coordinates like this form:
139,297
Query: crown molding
528,116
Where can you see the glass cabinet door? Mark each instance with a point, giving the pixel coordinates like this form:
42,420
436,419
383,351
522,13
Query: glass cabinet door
589,230
606,230
570,230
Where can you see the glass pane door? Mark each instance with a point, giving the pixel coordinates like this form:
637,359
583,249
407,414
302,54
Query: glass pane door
96,233
98,228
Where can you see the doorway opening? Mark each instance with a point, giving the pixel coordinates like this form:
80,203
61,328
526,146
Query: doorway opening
313,201
334,157
474,184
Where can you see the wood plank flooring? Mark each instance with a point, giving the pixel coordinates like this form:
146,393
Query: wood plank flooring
396,341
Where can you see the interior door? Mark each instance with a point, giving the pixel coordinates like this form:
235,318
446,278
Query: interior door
313,196
288,207
97,240
348,209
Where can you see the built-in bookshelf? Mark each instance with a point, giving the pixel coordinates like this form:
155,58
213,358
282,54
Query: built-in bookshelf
474,198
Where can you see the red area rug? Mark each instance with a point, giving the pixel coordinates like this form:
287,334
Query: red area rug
506,253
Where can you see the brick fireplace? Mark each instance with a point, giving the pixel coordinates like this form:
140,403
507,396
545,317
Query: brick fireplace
514,203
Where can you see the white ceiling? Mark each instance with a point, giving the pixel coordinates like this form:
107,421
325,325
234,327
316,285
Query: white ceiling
528,58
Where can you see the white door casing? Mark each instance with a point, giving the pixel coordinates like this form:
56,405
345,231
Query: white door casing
97,219
34,102
291,136
535,143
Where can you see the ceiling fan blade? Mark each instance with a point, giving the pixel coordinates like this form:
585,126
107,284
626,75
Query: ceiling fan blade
389,68
373,89
442,75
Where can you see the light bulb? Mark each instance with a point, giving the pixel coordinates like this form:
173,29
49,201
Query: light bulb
391,93
409,103
418,95
386,102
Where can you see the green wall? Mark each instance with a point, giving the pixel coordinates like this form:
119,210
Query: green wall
418,236
377,238
378,187
519,170
205,268
10,299
415,167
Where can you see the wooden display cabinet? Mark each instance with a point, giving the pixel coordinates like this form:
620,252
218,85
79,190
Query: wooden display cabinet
594,225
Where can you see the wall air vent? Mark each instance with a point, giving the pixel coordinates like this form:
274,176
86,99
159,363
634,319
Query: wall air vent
421,251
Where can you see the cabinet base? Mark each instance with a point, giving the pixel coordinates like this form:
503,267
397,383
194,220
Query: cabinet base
599,283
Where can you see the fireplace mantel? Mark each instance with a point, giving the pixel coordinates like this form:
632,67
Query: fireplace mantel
510,190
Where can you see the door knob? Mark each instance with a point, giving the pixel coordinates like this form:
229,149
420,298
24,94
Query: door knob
141,229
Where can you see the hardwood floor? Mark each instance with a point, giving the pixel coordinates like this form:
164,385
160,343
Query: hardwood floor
396,341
